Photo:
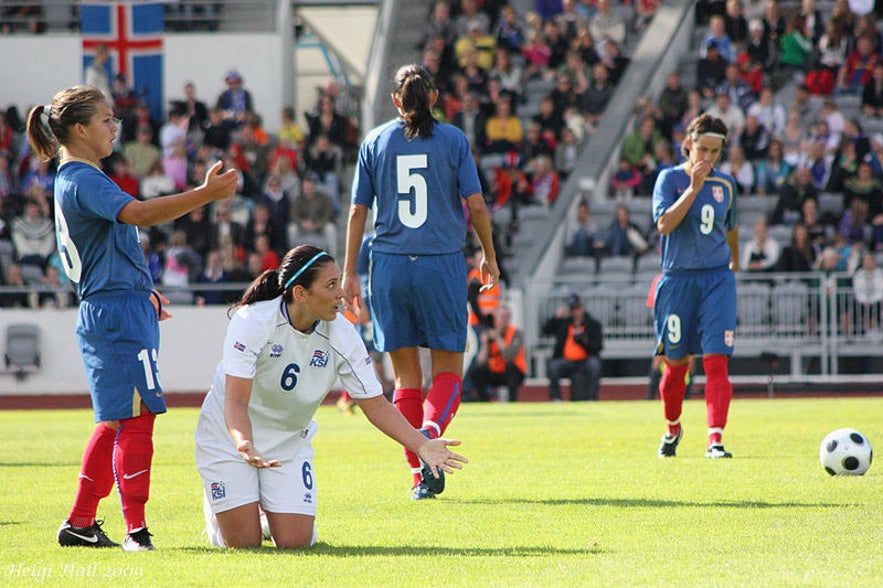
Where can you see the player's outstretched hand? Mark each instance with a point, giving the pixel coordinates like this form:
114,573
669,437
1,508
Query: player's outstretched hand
436,455
220,186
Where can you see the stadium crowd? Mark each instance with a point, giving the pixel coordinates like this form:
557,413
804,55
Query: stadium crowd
528,88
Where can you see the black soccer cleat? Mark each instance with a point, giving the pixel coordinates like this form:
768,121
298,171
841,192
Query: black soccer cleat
669,445
421,492
717,451
91,536
138,541
433,484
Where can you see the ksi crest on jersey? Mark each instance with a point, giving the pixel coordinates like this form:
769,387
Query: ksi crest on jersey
718,193
320,358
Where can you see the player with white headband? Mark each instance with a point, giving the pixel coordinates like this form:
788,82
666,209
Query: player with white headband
694,207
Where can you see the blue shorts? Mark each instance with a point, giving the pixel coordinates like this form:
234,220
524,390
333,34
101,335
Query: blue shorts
119,342
695,313
418,301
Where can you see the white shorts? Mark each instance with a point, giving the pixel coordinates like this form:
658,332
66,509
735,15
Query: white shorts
229,482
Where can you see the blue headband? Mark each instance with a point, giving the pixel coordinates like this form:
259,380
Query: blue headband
302,270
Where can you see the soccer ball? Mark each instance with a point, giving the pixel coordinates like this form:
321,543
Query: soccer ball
845,452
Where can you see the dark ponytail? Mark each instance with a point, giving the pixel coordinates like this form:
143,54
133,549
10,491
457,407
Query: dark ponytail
77,104
301,263
414,86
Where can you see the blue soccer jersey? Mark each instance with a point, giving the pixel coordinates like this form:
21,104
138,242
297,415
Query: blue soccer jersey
700,240
419,186
99,253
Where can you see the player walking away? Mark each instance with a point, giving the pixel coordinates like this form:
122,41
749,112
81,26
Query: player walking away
417,172
285,348
694,206
117,327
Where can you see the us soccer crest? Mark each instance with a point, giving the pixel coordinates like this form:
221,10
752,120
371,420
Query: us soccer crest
718,193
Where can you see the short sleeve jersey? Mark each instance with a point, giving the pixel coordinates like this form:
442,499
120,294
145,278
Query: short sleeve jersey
700,241
99,253
291,372
418,186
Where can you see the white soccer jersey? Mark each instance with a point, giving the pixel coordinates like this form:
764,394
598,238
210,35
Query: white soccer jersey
291,374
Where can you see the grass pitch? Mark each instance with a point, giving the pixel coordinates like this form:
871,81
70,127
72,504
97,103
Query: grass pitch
554,495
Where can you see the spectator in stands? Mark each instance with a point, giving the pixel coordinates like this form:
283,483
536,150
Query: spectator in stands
794,192
740,168
500,360
672,103
735,23
235,101
613,59
195,110
229,233
571,22
857,71
471,120
607,24
729,113
578,344
872,95
864,185
469,16
818,163
142,154
855,224
761,253
595,99
268,255
477,41
758,47
717,35
794,139
557,43
157,182
797,45
768,112
261,223
711,70
218,131
509,73
754,139
800,255
772,171
623,236
832,49
843,167
311,216
536,52
867,287
577,70
97,73
739,92
213,273
14,279
439,23
503,130
509,32
123,177
182,266
290,132
582,236
566,153
325,159
545,181
325,120
645,10
774,23
173,141
33,236
626,182
198,227
819,227
550,120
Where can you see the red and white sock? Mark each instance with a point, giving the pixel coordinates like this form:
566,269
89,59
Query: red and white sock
409,402
718,393
132,459
672,389
441,403
96,476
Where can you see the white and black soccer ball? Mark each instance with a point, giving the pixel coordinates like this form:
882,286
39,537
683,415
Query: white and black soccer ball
845,452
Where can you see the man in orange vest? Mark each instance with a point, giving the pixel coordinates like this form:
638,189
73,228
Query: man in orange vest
578,344
501,360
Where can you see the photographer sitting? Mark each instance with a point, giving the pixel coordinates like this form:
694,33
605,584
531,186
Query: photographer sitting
500,360
578,344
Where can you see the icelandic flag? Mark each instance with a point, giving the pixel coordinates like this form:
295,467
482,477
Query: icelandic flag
133,33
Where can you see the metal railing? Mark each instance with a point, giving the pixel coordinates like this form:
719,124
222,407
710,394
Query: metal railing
793,316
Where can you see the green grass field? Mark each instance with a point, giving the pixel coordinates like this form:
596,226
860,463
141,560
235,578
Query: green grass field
554,495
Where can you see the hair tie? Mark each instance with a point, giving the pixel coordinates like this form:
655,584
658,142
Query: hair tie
696,135
302,270
47,110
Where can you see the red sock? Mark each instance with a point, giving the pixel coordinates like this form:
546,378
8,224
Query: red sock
672,389
409,401
718,393
441,403
96,476
131,459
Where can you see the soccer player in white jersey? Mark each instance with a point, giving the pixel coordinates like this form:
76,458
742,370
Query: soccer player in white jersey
117,326
286,345
694,207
